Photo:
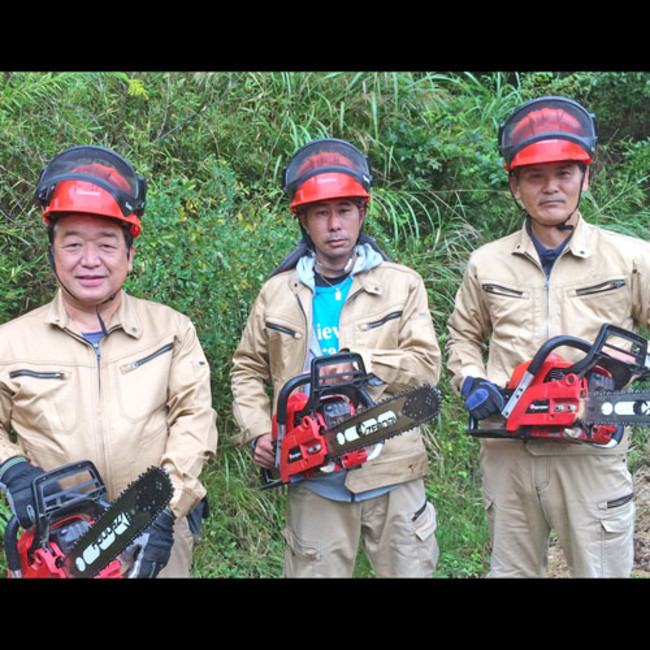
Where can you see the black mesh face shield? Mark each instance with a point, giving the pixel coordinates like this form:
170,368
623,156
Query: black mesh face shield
545,129
101,167
328,155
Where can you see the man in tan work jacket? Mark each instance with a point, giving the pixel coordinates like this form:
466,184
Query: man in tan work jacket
558,275
338,292
100,375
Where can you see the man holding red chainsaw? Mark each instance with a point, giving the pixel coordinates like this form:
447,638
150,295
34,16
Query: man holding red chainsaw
100,375
338,292
558,275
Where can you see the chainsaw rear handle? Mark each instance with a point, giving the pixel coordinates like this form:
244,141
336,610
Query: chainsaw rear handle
353,386
623,371
52,503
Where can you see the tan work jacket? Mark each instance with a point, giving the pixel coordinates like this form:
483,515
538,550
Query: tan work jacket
506,302
141,398
385,319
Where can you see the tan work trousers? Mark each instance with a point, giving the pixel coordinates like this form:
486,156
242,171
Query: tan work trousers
397,528
180,560
585,499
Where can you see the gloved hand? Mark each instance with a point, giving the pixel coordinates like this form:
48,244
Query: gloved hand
16,477
482,398
153,547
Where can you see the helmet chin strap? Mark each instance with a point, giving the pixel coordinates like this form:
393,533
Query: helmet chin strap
345,269
564,225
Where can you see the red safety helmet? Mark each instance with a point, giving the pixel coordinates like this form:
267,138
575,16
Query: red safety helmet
326,169
548,129
92,180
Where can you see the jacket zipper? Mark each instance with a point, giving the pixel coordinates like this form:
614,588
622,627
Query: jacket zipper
502,291
136,364
609,285
385,319
281,328
34,373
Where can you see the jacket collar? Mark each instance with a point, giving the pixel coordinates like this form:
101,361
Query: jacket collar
125,318
578,244
367,258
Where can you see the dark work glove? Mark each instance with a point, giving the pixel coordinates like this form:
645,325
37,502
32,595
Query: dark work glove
16,478
153,547
482,398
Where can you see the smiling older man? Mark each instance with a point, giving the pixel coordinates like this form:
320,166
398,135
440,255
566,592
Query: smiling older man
100,375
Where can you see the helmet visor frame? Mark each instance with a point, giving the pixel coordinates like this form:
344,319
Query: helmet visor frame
77,163
543,120
328,155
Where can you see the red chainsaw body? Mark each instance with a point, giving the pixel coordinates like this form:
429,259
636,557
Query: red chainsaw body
547,397
46,562
303,451
551,408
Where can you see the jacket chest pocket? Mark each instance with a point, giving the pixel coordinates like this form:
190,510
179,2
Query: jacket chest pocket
142,382
508,306
379,330
45,400
286,343
604,300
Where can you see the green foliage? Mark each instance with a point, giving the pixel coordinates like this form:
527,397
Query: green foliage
212,146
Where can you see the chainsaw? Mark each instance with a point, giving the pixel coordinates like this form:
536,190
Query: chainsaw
77,533
332,424
583,402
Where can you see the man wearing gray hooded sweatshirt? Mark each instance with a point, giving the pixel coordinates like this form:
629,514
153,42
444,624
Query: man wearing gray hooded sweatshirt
338,292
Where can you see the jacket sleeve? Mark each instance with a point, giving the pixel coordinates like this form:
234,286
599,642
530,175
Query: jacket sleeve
250,375
416,359
192,430
640,283
468,331
7,447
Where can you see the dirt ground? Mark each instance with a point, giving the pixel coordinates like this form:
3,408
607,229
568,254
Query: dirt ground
557,567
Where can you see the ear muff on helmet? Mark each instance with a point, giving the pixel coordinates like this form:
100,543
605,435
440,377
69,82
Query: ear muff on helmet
326,169
95,181
548,129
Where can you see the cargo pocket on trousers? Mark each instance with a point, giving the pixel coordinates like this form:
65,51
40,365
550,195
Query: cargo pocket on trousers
425,522
424,526
301,557
617,524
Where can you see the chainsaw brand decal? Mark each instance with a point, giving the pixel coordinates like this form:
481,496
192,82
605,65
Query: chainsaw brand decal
106,539
538,407
367,427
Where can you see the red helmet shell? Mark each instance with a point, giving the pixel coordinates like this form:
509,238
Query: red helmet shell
86,198
549,151
329,185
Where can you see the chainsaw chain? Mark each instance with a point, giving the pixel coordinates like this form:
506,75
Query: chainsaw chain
120,524
638,401
419,405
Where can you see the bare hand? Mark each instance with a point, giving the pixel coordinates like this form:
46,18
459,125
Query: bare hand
337,369
264,452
